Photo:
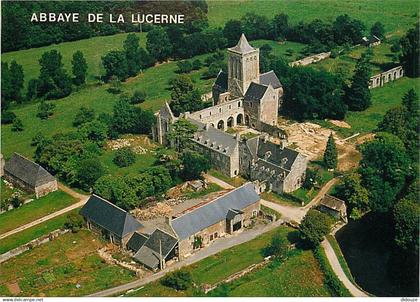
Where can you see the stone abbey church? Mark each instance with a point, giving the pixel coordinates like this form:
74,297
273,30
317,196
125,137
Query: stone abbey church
243,97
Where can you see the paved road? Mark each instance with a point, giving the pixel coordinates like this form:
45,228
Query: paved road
335,264
81,197
219,245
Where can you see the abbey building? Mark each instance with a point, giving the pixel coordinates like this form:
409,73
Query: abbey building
243,97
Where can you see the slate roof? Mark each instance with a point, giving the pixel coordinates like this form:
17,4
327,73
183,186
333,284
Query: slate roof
255,92
270,78
214,211
282,157
166,112
109,216
232,213
26,170
211,135
149,253
332,202
242,46
222,80
136,241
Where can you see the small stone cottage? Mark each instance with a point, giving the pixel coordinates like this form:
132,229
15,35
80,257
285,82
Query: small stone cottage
333,206
29,176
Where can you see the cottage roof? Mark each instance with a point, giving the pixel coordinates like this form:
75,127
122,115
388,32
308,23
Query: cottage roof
222,142
270,78
273,153
255,92
149,253
214,211
26,170
136,241
222,80
242,46
109,216
332,202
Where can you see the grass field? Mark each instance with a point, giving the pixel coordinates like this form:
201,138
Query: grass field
298,276
397,15
34,210
34,232
93,49
54,269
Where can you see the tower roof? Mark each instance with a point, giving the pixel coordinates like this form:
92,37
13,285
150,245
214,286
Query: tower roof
242,46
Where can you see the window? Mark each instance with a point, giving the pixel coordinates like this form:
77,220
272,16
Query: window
239,104
211,237
215,235
254,213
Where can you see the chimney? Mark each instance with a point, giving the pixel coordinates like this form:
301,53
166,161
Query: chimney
206,127
168,220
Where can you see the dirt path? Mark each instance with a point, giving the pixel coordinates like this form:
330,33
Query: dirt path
81,197
218,181
335,264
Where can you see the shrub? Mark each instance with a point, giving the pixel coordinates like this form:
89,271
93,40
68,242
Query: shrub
7,117
84,115
115,86
45,110
314,227
184,67
179,280
15,201
124,157
139,96
196,64
74,222
17,125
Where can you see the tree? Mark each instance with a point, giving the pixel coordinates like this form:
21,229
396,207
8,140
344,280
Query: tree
279,247
32,90
411,52
194,164
139,96
402,121
84,115
347,30
53,81
45,110
16,81
378,30
94,131
383,170
330,154
131,48
17,125
355,195
180,133
160,177
312,178
74,222
130,119
184,66
314,227
124,157
232,31
279,26
115,189
406,215
6,87
179,280
89,171
7,117
158,43
184,96
357,96
79,68
196,64
115,64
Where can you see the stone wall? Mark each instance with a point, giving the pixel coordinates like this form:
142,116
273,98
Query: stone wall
311,59
380,79
296,177
46,188
18,183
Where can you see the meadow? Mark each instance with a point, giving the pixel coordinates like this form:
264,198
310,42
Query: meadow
397,15
55,268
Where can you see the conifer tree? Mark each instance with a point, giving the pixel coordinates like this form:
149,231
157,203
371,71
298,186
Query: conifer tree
79,68
330,154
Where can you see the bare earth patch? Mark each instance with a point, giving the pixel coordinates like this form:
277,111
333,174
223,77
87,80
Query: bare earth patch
13,288
140,144
341,124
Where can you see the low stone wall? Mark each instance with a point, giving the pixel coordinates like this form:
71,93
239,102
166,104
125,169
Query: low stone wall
31,244
107,257
311,59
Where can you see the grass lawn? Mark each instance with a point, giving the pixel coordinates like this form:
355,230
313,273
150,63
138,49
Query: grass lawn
235,181
383,98
341,259
34,210
34,232
218,267
299,276
281,49
54,268
93,49
396,15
